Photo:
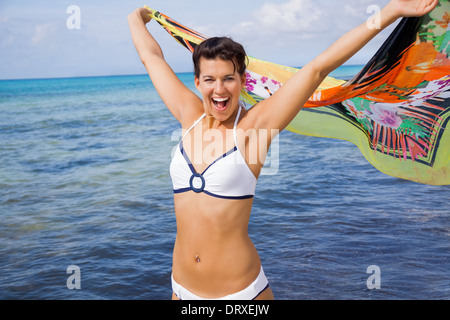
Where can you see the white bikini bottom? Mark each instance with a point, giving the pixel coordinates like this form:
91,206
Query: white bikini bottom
249,293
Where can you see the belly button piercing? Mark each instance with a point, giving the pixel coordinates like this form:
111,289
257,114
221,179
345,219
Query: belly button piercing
197,258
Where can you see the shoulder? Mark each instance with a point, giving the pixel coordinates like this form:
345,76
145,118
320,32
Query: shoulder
249,117
191,114
254,126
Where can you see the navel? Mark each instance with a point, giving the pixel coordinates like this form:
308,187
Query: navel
197,258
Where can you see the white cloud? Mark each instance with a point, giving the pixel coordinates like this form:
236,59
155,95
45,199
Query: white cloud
295,19
42,32
305,19
292,16
293,32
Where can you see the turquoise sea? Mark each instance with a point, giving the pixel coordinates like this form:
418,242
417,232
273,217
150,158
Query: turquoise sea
84,181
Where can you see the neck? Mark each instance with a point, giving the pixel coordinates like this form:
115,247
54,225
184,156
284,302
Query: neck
213,123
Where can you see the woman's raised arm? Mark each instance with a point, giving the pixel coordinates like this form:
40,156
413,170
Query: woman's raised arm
280,109
176,96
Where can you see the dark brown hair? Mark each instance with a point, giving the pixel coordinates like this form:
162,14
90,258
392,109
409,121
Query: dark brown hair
223,48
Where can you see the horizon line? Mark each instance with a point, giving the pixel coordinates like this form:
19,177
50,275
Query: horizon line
125,75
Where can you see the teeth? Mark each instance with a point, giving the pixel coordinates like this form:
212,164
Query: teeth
220,99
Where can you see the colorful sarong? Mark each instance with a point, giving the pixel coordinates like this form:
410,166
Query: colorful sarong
396,109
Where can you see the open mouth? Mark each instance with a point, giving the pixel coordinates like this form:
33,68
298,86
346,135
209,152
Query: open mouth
220,103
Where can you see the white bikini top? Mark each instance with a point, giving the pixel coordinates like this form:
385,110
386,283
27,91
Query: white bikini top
228,177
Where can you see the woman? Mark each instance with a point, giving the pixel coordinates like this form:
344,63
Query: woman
214,257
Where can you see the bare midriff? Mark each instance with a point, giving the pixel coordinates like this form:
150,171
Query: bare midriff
213,254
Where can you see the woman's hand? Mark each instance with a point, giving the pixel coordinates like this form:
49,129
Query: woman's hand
142,13
145,15
412,8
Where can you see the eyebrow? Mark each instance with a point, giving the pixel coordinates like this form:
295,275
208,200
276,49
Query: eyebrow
228,75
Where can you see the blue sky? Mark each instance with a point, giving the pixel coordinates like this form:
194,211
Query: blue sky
36,43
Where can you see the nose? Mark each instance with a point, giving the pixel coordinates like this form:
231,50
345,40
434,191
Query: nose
219,87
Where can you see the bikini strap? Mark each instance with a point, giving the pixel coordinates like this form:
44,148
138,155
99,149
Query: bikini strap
235,125
203,115
195,123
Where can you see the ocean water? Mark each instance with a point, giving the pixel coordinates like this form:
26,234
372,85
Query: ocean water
84,181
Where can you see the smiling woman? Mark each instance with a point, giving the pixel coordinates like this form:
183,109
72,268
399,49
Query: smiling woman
220,85
213,256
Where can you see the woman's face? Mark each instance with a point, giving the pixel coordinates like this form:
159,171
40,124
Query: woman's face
220,86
